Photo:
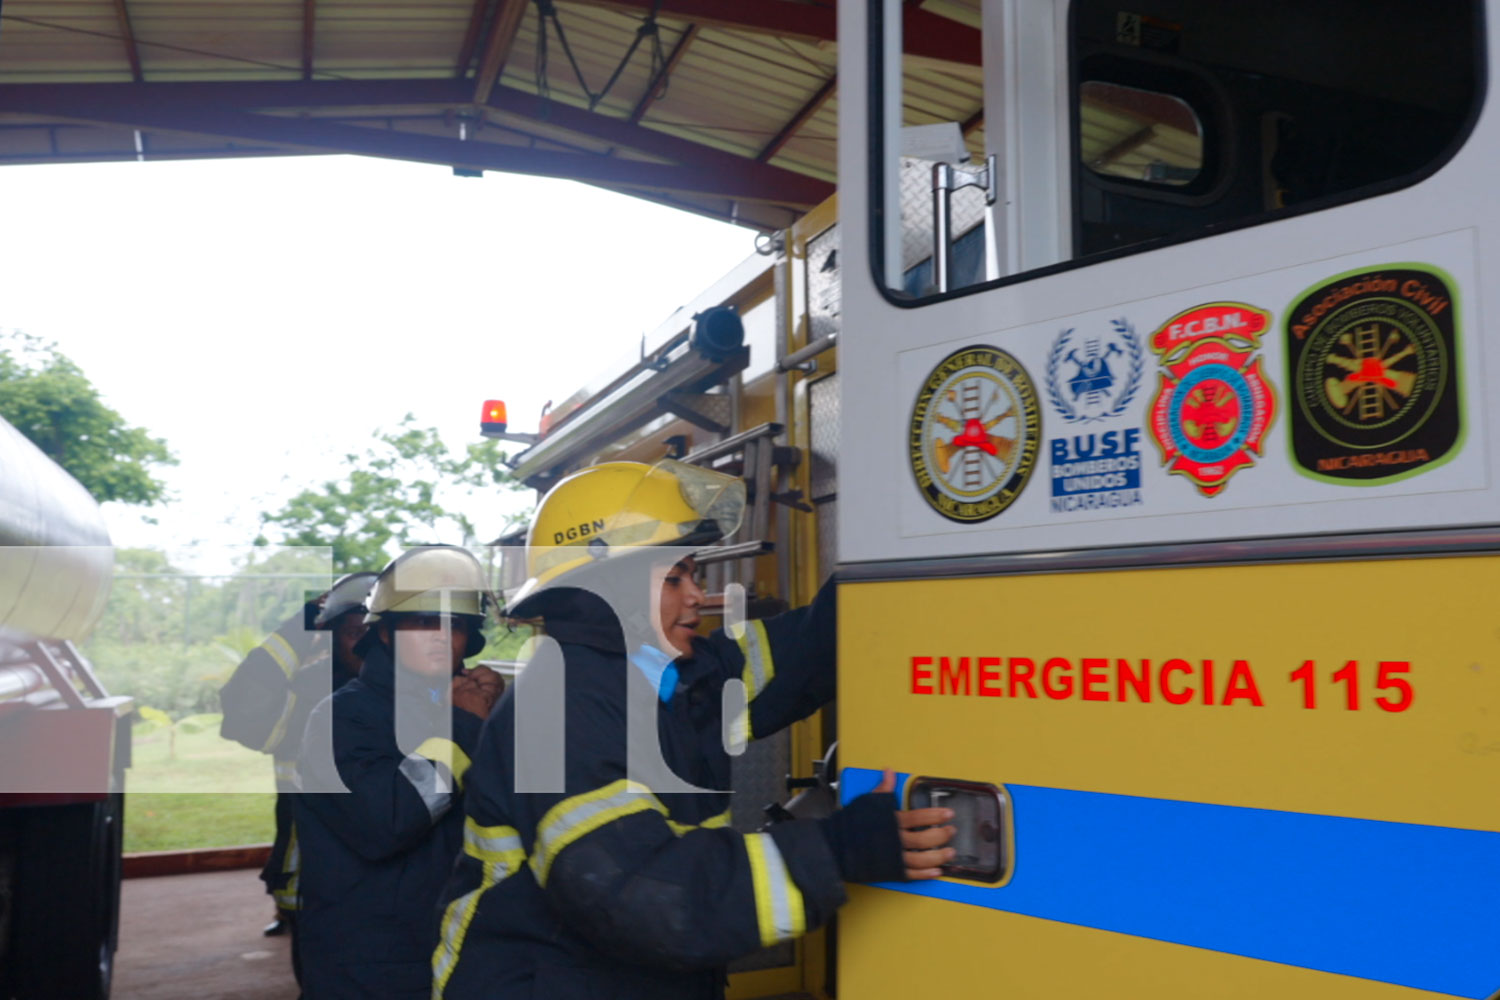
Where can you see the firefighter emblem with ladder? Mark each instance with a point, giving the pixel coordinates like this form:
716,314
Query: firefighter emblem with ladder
974,434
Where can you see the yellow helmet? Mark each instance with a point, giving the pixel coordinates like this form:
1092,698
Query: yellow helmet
430,579
598,512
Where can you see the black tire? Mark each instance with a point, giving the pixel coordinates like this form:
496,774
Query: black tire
65,922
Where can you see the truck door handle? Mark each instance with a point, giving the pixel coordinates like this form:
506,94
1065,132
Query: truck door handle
984,840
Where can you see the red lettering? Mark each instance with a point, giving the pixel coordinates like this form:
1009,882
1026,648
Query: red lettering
1242,685
985,676
950,673
1093,678
1022,671
1304,674
1350,676
1053,665
1385,681
918,675
1176,667
1140,683
1208,682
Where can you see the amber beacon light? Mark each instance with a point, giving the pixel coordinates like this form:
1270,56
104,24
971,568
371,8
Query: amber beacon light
492,418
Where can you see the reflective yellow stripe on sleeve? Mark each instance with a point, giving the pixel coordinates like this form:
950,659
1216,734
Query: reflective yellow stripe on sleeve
779,909
582,815
282,652
712,823
278,731
446,753
755,644
287,777
499,851
289,896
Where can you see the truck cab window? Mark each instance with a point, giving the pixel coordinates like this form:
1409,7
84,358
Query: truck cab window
1115,130
1140,135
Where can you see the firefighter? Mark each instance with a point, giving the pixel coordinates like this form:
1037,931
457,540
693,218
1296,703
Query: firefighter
399,739
268,699
582,874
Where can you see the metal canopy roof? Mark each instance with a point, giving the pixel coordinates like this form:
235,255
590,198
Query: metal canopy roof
726,108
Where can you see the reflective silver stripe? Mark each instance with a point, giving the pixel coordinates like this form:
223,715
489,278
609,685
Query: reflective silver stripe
282,652
779,905
286,771
430,782
582,814
501,851
289,896
490,848
278,731
759,670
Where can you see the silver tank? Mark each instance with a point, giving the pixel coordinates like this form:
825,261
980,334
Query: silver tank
56,563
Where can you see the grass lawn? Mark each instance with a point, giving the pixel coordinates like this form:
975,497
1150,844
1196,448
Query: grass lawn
196,790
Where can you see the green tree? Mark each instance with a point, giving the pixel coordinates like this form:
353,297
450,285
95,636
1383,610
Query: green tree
51,401
400,492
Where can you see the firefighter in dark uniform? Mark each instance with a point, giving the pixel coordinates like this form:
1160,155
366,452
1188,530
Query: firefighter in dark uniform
597,858
399,739
268,699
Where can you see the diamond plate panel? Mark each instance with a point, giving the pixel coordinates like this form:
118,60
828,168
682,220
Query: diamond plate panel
823,416
824,298
828,539
759,778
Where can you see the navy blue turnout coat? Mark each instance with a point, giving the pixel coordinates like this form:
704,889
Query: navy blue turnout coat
603,888
374,859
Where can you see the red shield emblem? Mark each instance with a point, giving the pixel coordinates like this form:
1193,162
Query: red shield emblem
1214,406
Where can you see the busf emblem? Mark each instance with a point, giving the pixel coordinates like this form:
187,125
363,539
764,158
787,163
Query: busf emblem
1214,406
1094,377
974,434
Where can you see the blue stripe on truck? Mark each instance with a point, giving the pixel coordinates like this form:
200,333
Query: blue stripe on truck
1400,903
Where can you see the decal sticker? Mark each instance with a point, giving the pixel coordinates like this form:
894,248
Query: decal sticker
1372,363
1214,405
1093,378
974,434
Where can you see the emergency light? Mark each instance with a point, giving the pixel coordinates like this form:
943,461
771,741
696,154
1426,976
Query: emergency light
492,418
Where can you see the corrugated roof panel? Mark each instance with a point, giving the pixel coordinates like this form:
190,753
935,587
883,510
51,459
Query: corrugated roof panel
599,40
366,38
814,149
45,41
734,89
217,39
718,93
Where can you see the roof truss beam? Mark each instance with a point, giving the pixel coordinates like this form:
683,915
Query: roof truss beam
503,29
926,34
309,19
189,109
801,118
659,81
127,35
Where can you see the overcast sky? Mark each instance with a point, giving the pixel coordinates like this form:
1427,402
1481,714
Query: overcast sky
264,316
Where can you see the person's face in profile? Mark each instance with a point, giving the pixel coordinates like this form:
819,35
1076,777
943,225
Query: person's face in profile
679,600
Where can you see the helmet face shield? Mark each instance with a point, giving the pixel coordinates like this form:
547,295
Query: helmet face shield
718,499
348,593
616,508
430,580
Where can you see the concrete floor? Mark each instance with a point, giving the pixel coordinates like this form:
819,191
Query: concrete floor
197,937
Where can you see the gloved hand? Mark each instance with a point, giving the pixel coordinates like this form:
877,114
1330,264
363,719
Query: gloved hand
873,841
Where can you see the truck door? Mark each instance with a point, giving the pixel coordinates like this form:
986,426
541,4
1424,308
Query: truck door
1168,524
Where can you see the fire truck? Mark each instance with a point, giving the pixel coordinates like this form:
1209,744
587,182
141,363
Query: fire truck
64,741
1142,417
